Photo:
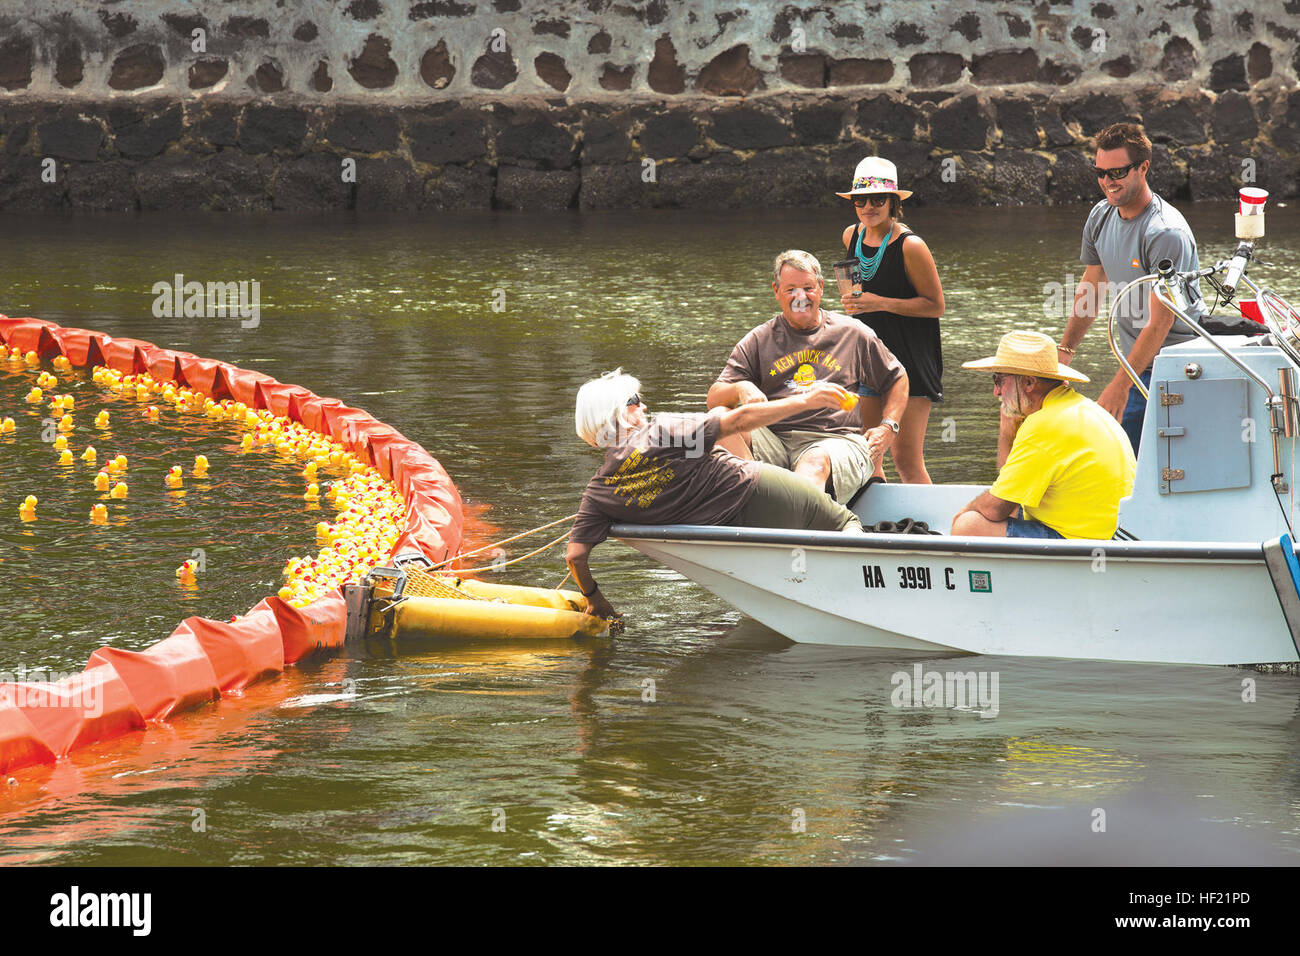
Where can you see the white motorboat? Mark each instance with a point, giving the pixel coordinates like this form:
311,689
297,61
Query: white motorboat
1206,573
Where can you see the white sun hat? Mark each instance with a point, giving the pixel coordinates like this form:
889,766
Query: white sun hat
875,175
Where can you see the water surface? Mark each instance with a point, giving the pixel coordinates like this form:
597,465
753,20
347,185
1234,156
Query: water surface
697,737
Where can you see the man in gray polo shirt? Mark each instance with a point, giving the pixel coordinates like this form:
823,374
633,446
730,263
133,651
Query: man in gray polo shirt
1126,234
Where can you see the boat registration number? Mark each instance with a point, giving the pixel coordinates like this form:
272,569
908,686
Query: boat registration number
911,577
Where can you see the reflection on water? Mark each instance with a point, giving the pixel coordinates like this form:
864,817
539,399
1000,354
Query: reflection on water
698,736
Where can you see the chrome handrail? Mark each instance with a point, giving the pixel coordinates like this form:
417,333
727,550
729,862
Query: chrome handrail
1134,377
1274,322
1196,327
1164,294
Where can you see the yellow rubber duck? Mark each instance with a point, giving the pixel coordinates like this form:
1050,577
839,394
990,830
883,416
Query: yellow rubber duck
174,478
119,490
101,420
99,515
34,395
69,403
88,456
65,457
119,463
27,510
313,493
153,413
65,423
7,426
101,481
246,443
200,466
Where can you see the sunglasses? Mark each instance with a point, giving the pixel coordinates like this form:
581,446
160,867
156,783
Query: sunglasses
634,400
1119,172
877,200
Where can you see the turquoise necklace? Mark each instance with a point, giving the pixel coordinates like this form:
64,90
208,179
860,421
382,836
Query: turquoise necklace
867,267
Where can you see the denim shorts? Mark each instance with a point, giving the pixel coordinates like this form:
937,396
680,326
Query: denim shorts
1029,528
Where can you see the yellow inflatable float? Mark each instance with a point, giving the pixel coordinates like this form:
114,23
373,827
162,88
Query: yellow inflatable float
406,602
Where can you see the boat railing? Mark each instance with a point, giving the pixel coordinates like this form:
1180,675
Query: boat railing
1170,286
1280,318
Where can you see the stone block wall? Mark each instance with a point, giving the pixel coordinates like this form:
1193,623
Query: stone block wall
451,104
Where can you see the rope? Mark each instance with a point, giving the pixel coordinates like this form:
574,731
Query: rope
497,544
506,564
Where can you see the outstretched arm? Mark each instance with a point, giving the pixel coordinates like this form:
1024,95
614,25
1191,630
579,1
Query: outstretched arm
761,414
731,394
576,557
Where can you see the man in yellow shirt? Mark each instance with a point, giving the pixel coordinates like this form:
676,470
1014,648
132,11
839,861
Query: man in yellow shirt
1070,462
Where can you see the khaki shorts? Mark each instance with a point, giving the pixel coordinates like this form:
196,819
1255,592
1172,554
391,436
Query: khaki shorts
851,463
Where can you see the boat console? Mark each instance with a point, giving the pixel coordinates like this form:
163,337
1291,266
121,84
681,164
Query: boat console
1214,464
1218,451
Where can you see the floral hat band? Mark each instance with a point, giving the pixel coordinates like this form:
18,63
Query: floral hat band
875,175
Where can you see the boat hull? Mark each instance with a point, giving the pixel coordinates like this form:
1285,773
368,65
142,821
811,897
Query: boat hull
1160,602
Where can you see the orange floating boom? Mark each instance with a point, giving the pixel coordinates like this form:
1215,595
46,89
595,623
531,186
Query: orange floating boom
121,690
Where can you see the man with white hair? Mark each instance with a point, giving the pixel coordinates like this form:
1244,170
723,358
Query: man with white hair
662,469
1070,461
802,345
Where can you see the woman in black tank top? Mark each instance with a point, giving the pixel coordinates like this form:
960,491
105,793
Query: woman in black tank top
901,300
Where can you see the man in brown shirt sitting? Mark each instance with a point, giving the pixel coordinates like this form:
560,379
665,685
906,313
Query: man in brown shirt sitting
661,469
801,346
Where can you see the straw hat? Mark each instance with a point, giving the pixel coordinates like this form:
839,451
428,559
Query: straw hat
1027,353
875,175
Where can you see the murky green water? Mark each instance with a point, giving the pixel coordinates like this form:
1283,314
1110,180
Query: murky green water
748,738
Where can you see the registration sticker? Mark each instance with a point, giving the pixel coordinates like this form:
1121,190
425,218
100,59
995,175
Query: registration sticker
981,582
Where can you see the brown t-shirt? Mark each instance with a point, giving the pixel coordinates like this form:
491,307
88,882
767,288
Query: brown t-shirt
665,473
783,361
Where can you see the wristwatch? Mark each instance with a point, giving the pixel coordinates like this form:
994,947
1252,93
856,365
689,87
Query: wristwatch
891,423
